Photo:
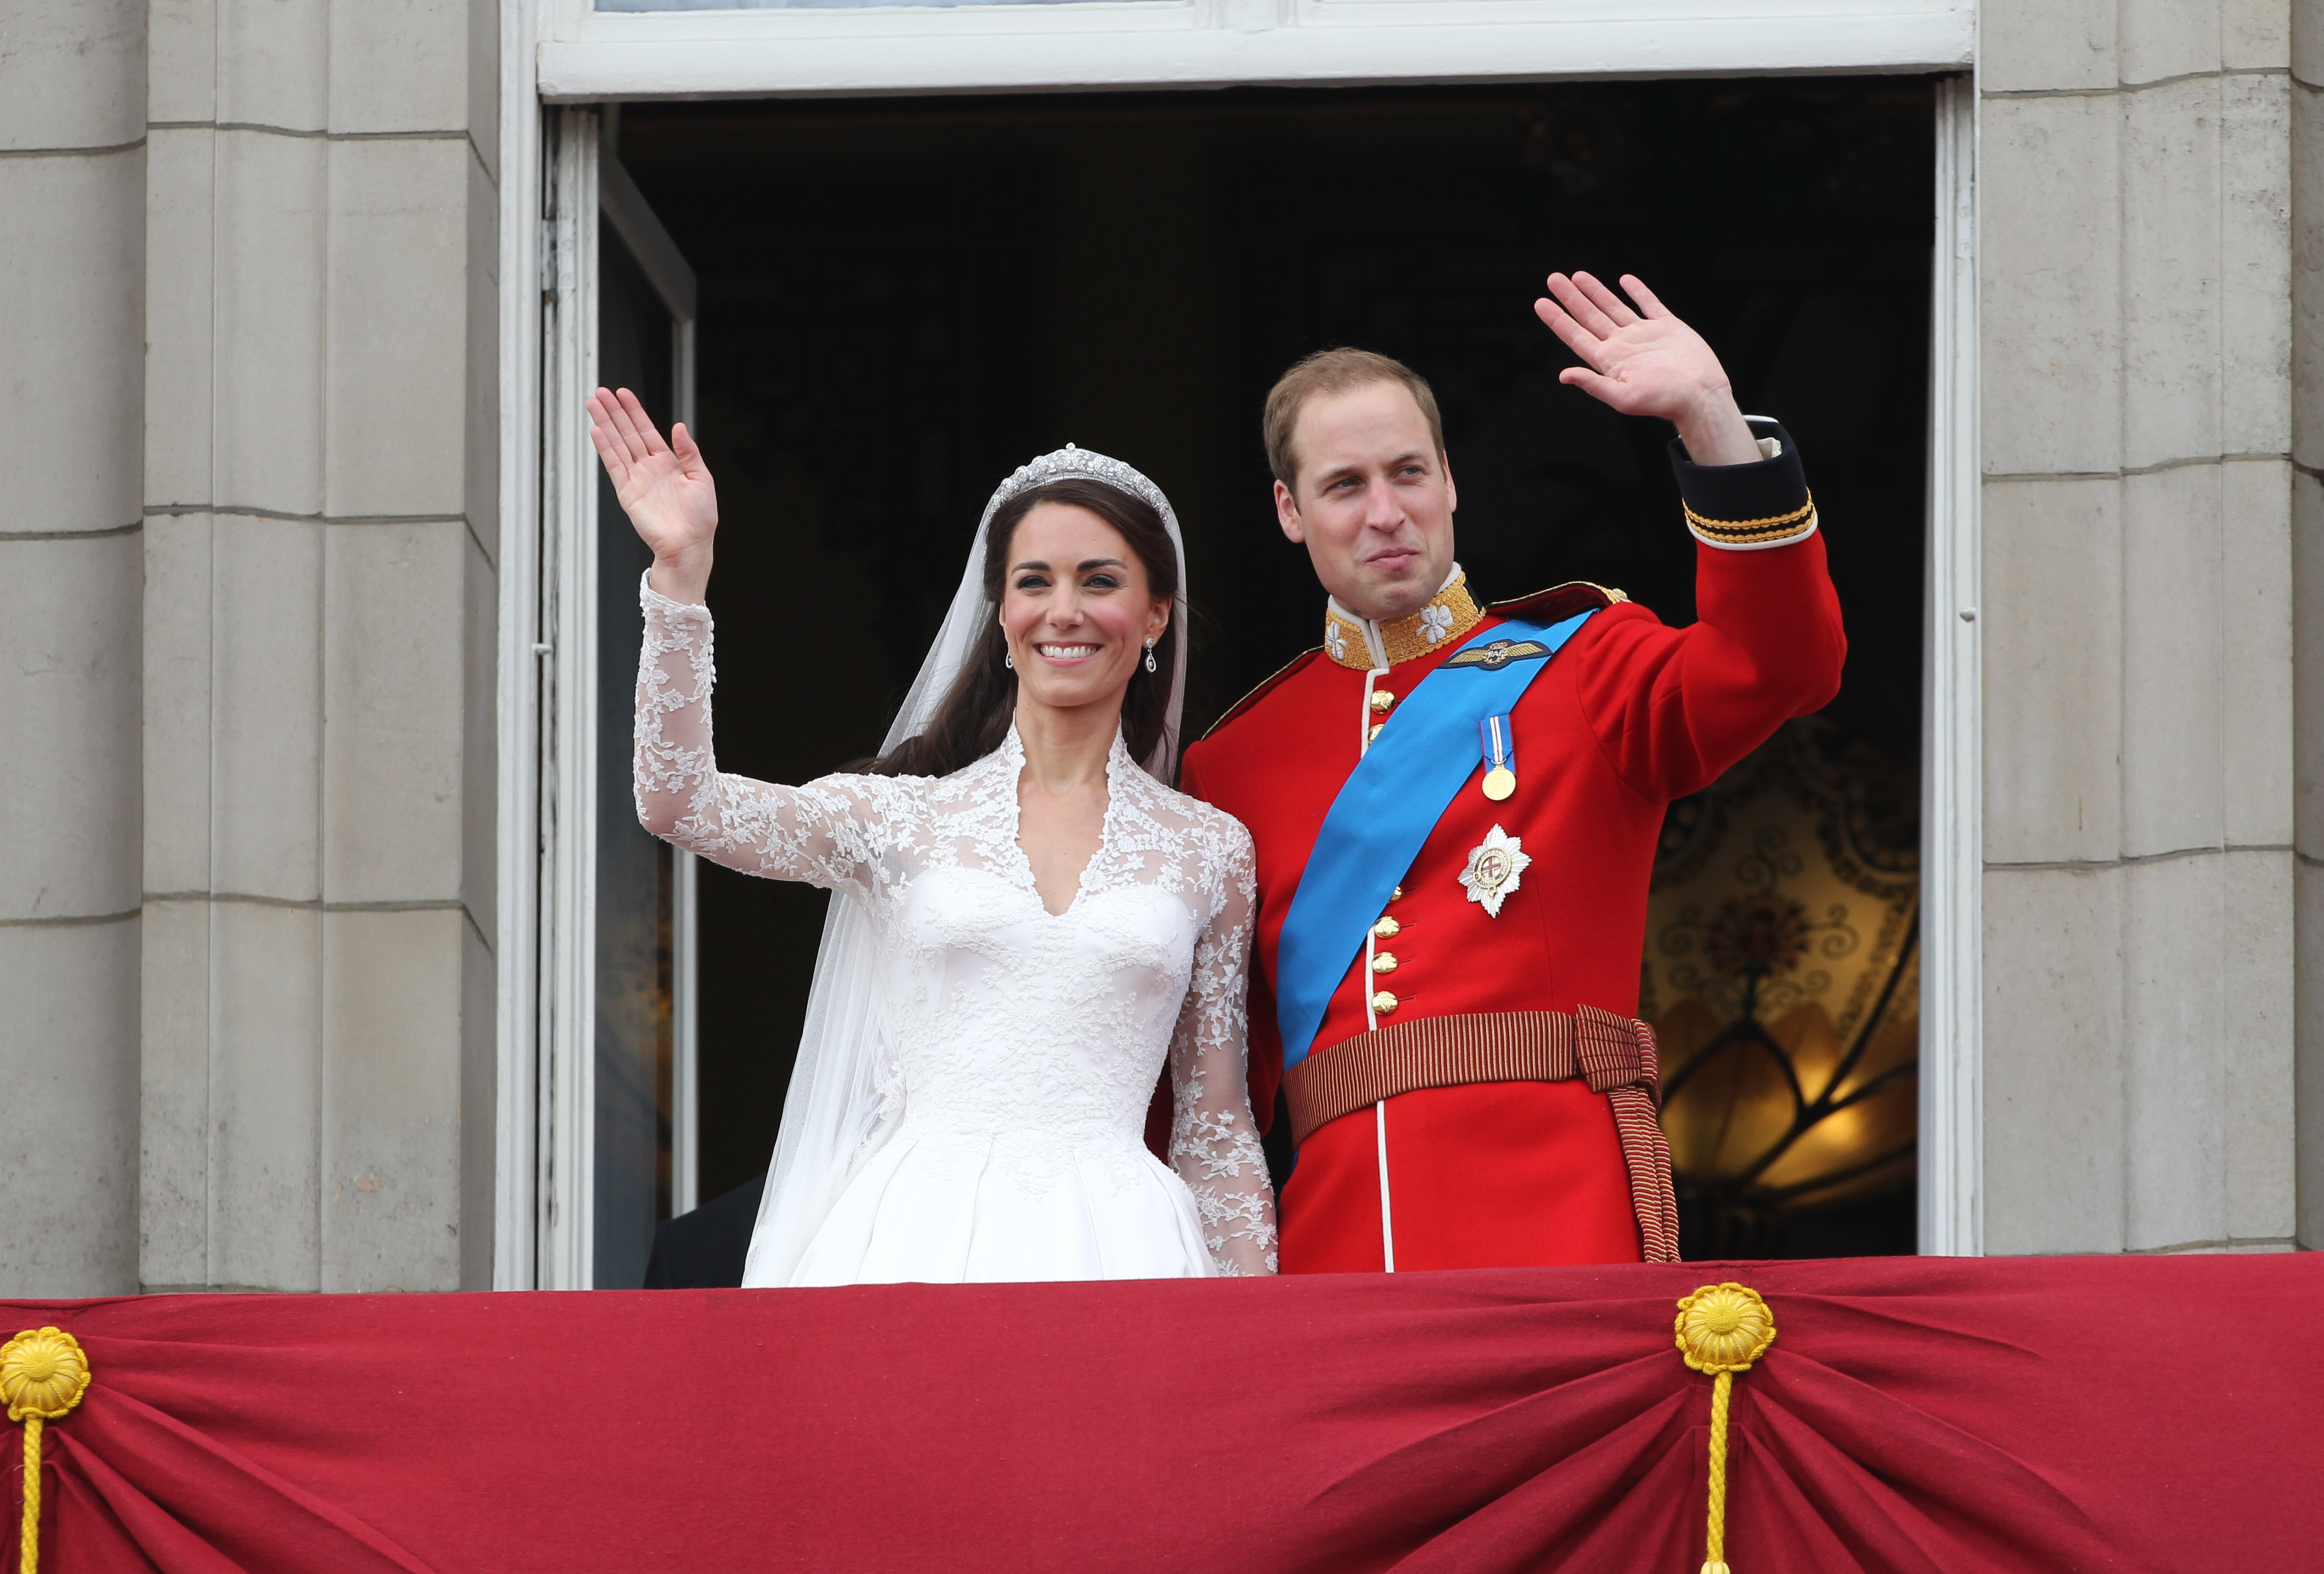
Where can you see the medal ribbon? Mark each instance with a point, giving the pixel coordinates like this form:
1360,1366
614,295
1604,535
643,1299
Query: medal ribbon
1497,743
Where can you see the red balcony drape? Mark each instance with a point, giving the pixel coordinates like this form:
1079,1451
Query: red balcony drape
1915,1414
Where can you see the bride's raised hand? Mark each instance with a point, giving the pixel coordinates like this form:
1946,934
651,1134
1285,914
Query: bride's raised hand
665,488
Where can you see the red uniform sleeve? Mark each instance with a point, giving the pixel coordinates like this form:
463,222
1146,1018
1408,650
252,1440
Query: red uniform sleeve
1266,1063
1674,707
1190,774
1266,1073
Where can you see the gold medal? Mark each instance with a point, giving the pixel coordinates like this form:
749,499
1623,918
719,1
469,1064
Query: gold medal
1500,755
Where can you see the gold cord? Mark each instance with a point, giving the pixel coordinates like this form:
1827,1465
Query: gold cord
1722,1328
1797,517
1714,1542
28,1554
43,1373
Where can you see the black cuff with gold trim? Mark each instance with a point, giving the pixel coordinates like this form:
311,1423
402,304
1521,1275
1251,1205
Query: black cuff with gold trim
1744,508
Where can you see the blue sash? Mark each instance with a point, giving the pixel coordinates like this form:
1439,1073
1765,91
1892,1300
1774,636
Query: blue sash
1385,809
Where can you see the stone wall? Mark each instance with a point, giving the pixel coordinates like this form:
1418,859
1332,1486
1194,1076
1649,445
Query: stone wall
2307,96
2136,199
320,527
73,216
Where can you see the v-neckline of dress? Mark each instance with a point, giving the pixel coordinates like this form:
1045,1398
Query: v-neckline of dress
1012,748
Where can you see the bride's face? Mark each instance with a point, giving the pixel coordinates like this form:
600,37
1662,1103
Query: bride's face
1076,607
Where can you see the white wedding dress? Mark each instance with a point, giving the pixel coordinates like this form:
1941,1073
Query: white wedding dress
1022,1046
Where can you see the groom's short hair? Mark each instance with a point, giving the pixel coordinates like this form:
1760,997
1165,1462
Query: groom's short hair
1331,372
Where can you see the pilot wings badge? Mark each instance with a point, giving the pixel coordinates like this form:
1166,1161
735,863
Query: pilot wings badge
1493,869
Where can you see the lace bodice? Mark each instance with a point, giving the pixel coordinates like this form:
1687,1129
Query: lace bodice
1042,1032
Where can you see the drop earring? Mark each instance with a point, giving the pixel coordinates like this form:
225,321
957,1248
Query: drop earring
1150,655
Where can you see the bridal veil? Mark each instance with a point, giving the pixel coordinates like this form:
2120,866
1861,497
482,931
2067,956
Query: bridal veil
844,1102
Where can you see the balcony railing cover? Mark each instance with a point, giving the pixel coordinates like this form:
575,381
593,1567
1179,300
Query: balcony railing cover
2134,1414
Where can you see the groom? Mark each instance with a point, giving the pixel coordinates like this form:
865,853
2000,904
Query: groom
1456,809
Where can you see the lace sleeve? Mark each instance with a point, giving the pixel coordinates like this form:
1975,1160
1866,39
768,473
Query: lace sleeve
1214,1140
829,833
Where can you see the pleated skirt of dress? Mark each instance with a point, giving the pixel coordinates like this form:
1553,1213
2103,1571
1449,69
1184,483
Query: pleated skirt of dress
950,1208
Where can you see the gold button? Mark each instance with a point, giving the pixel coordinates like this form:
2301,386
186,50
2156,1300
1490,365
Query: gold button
1397,894
1374,732
1383,1003
1381,700
1386,929
1385,962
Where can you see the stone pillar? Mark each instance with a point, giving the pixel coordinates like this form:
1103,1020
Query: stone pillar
2135,192
72,164
2306,101
318,558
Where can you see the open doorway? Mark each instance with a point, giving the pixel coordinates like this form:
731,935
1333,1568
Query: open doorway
900,300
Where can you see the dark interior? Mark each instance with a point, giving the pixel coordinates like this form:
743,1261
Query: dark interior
902,299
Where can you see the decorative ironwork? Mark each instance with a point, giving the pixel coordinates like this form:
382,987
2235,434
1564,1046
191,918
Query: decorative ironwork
1782,973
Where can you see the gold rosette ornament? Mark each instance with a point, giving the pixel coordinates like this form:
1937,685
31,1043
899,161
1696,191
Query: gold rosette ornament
1722,1328
43,1373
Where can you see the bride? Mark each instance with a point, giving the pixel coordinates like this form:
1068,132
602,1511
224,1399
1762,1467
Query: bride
1027,923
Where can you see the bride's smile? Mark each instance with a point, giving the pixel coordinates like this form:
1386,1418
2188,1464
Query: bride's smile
1076,608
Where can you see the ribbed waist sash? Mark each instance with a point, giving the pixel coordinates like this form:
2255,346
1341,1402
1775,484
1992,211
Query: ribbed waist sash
1614,1056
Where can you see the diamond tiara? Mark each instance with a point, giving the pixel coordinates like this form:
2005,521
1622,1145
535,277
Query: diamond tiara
1072,464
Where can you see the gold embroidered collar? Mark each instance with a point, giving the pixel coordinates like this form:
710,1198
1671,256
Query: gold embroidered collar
1366,646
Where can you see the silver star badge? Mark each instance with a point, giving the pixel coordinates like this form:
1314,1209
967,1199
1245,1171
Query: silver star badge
1493,869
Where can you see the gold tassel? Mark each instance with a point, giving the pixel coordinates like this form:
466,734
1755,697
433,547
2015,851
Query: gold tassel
43,1373
1721,1330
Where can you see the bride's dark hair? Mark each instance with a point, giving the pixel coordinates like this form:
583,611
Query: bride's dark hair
974,716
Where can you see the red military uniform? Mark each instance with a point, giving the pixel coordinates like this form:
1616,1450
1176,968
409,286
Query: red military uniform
1628,717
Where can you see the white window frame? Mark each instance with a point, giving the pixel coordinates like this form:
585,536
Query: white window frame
586,55
546,1202
560,51
672,278
1951,1158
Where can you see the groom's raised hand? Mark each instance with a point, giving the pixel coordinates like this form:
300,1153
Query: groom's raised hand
1646,362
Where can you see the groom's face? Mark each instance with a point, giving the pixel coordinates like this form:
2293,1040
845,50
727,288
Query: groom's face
1374,500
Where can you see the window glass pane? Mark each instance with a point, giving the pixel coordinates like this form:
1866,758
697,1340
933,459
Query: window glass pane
635,877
